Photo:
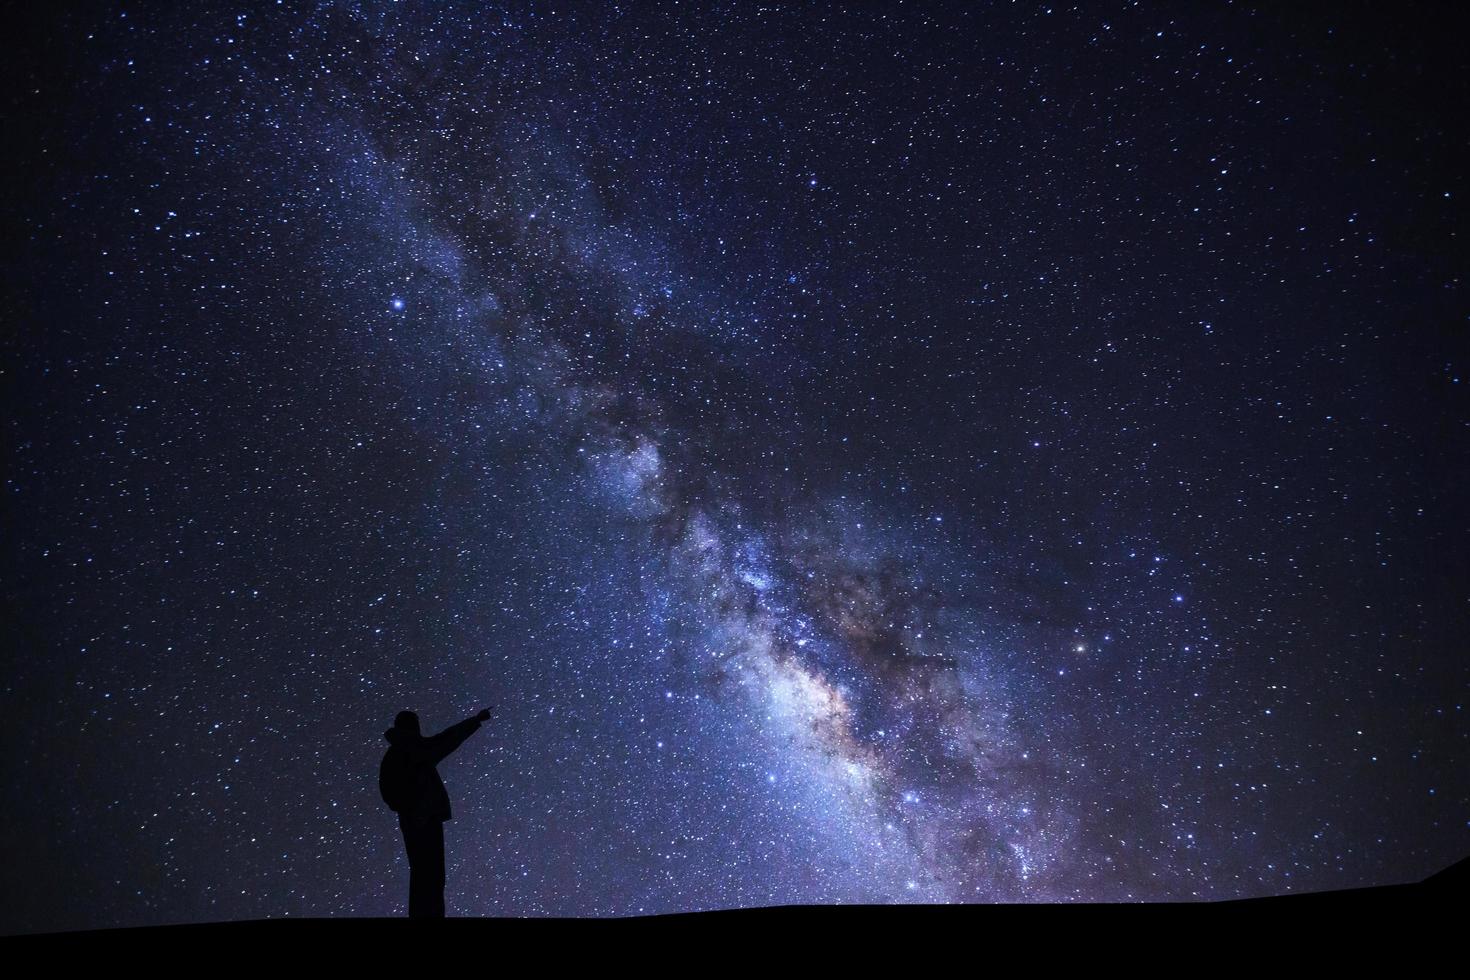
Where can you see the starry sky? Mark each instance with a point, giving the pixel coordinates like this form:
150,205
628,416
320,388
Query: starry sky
892,453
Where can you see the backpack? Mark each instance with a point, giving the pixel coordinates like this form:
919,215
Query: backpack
393,780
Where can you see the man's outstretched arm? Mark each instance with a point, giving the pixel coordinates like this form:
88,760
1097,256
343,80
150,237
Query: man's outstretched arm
452,737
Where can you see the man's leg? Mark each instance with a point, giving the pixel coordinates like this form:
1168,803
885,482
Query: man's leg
411,846
419,842
434,868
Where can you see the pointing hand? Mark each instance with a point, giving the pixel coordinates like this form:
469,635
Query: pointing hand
484,715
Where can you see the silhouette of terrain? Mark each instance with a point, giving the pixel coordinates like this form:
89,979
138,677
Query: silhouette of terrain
1334,923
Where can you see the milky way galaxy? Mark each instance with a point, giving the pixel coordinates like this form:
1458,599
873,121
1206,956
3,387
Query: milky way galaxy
904,454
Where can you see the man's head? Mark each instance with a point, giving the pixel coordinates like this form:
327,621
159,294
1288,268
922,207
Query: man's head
407,723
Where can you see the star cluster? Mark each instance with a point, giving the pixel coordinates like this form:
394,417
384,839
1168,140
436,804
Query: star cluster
866,454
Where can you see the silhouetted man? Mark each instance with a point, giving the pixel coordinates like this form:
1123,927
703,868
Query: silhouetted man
412,788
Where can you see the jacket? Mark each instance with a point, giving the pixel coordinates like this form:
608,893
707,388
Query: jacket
409,763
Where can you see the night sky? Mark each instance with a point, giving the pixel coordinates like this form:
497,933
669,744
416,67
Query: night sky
887,454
